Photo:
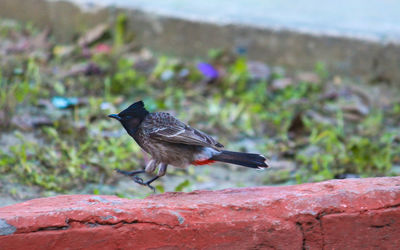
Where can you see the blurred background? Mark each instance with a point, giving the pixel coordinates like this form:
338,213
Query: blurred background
314,87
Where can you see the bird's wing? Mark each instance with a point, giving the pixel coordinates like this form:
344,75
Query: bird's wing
175,131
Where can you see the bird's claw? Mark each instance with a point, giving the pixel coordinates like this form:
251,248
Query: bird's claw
151,187
119,171
140,181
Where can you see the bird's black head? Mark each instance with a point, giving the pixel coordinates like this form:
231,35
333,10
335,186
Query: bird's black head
131,117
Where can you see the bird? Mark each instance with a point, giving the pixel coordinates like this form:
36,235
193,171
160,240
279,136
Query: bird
172,142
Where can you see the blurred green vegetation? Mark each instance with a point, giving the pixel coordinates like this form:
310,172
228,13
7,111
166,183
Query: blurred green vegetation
323,126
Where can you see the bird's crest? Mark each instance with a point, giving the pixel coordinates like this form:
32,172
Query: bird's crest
135,108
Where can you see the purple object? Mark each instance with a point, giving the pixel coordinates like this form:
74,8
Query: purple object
207,70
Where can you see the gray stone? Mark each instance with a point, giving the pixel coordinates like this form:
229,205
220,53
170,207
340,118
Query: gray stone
5,228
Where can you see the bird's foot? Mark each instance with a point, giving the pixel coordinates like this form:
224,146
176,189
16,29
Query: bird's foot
151,187
140,181
137,179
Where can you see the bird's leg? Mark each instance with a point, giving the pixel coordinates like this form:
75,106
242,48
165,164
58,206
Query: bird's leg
130,173
151,166
162,169
161,172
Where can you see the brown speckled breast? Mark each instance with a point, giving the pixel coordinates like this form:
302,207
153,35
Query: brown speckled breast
178,155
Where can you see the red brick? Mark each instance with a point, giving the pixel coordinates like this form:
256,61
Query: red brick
337,214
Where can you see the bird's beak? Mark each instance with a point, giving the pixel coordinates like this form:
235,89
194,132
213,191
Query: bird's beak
115,116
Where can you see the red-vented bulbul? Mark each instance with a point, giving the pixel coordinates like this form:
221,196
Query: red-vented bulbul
172,142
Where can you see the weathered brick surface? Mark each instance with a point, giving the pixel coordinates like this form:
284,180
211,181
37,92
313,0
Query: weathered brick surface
338,214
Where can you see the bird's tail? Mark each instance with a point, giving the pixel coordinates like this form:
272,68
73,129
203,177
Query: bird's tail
242,159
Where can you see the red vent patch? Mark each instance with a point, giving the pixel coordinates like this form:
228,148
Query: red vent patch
204,162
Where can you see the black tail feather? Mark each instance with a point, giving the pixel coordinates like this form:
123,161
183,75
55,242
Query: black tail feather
242,159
